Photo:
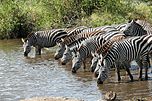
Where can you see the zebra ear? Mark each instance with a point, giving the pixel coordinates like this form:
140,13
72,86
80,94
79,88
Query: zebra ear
23,40
62,39
135,19
93,54
129,21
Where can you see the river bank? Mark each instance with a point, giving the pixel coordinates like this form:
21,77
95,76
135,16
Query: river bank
51,99
70,99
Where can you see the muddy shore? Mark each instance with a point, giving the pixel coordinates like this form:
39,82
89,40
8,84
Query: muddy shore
70,99
50,99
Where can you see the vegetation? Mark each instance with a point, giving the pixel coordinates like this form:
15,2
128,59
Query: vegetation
20,17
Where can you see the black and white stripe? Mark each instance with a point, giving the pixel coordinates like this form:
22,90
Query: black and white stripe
41,39
90,45
134,48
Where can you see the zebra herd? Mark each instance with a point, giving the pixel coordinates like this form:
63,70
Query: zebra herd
107,46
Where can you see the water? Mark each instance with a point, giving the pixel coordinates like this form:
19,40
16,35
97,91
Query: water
38,76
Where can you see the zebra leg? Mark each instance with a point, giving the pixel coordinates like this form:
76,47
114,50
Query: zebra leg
38,50
146,65
149,63
139,62
117,66
127,66
84,65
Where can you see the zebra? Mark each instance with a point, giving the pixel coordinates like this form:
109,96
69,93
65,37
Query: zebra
138,28
91,45
104,48
71,32
41,39
127,50
67,55
73,37
145,25
95,54
134,29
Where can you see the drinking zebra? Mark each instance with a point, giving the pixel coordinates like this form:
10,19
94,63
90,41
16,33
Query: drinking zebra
90,45
70,38
95,54
71,33
67,55
127,50
104,49
41,39
73,46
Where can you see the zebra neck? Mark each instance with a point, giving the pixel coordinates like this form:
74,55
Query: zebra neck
32,40
109,62
111,57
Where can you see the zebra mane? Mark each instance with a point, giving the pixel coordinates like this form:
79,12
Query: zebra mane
72,34
145,24
80,39
97,32
80,47
66,39
75,31
108,44
28,36
92,33
105,48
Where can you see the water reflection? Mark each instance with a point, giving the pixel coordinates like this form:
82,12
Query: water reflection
24,77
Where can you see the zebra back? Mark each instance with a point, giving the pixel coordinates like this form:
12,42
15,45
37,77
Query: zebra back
107,45
145,25
50,37
72,33
134,29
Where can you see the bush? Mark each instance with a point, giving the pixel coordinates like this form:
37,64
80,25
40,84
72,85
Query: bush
21,17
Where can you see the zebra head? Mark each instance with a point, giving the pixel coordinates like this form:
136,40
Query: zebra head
67,56
102,70
59,52
134,29
94,61
26,46
76,62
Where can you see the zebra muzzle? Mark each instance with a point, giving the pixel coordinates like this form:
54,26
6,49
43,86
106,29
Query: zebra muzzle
74,71
99,81
63,63
96,74
56,57
25,54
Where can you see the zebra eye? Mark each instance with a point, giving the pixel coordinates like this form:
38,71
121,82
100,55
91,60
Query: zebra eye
64,54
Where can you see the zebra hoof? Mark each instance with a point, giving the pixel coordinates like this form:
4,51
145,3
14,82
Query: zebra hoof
119,79
92,70
96,75
74,71
63,63
56,58
146,78
131,80
99,82
25,54
140,79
